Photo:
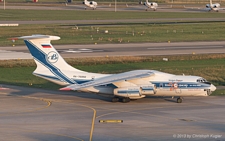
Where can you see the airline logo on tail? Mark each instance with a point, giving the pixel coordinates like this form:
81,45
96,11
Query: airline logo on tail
52,57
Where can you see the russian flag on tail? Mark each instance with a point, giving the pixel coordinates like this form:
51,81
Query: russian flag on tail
46,46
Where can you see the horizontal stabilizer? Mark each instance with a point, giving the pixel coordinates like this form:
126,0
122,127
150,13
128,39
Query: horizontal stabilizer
39,36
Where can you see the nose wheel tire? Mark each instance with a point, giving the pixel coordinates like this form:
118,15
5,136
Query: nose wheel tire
179,100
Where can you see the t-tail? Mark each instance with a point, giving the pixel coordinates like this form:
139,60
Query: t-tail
50,64
210,2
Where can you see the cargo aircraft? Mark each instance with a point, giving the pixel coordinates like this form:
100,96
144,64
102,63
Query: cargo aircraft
151,5
91,4
124,86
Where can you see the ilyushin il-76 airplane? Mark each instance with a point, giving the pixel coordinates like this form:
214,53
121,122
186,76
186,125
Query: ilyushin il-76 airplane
152,5
91,4
124,86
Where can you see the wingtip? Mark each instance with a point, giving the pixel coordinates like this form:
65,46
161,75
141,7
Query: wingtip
65,89
13,39
2,88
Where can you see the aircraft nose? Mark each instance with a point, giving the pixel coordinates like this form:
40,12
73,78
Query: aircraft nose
212,88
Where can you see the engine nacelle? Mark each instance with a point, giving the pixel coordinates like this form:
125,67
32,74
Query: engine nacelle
135,92
91,2
83,2
148,89
217,5
128,92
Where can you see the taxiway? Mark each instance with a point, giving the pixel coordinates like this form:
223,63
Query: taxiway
30,114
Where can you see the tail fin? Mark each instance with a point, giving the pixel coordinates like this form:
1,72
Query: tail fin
50,65
210,2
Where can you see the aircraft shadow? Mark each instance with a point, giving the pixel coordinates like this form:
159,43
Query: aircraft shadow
31,91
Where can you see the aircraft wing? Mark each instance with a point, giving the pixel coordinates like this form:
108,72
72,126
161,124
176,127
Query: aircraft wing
111,79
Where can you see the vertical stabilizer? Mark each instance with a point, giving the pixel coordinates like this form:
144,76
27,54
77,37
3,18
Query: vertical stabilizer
210,2
50,64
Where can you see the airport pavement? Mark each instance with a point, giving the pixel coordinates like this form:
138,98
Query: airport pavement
125,49
31,114
116,21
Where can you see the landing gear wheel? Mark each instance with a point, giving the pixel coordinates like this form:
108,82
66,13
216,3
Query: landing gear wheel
115,99
125,100
179,100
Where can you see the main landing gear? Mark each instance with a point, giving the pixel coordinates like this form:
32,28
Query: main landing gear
124,99
179,100
115,99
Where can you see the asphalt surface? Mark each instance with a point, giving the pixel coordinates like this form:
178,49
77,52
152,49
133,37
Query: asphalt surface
129,49
30,114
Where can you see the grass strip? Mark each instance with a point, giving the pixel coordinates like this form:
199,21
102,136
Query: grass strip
34,15
136,33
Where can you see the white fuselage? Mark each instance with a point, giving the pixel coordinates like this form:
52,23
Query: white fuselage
214,7
91,4
151,5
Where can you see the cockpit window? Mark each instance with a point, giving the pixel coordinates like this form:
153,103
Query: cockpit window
202,80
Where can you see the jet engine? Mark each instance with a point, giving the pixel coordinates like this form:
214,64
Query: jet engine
128,92
217,5
135,92
148,89
91,2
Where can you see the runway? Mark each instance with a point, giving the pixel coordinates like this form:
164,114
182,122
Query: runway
30,114
126,49
116,21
